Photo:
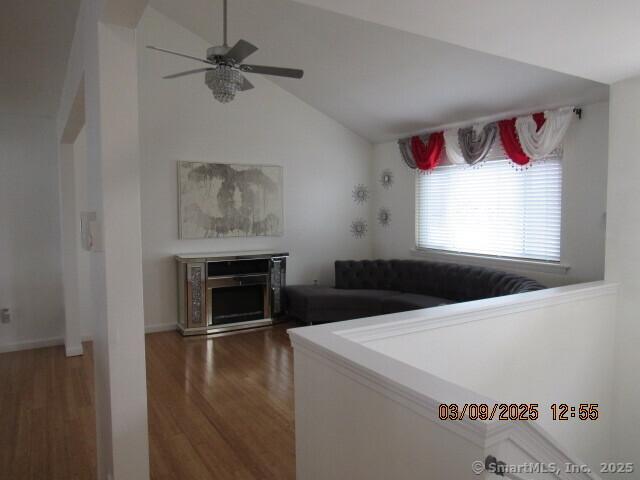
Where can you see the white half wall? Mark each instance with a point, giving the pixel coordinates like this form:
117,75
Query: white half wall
368,391
523,355
180,120
584,202
623,261
30,267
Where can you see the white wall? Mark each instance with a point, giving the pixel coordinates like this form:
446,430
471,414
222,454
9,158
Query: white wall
30,268
76,262
584,201
69,257
349,427
113,177
623,261
180,120
86,311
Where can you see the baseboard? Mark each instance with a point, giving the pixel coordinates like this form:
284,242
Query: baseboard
57,341
32,344
161,327
74,351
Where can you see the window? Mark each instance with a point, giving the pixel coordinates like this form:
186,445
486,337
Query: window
494,209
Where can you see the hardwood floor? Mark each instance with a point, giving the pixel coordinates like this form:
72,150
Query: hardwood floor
47,420
219,408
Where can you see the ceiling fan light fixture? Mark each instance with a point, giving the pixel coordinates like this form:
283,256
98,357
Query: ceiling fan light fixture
224,66
224,82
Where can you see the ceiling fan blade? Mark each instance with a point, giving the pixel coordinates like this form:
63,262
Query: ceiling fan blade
240,51
204,60
245,85
188,72
277,71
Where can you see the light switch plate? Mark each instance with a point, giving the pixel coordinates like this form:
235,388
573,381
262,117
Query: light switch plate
5,315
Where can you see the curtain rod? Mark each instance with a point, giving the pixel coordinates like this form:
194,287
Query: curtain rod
490,118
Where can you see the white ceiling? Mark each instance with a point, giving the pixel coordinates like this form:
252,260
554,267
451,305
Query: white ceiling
594,39
35,38
377,81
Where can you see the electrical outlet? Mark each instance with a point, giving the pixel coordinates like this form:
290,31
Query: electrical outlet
5,315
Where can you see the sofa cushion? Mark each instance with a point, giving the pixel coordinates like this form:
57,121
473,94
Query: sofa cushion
315,304
311,297
314,317
411,301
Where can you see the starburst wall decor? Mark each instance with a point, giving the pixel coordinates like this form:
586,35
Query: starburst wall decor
359,228
386,179
360,193
384,217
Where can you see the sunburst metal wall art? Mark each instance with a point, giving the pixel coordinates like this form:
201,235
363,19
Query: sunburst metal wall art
386,178
384,217
359,228
360,193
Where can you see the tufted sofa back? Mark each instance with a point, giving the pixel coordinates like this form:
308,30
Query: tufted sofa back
446,280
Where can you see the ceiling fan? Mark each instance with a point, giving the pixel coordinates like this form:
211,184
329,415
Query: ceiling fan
223,75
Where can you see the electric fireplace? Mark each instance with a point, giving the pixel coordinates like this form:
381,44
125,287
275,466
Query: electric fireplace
223,292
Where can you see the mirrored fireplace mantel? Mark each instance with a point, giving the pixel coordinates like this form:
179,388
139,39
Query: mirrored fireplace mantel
221,292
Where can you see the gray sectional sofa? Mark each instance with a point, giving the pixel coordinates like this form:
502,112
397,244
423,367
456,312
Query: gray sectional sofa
375,287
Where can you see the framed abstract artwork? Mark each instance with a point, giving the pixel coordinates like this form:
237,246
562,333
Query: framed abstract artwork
218,200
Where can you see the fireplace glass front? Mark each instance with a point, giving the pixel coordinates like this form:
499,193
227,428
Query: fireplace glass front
237,304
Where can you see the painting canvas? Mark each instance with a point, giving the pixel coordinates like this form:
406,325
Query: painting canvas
223,200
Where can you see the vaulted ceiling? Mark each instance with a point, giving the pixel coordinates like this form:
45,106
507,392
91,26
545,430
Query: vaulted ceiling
378,81
593,39
35,38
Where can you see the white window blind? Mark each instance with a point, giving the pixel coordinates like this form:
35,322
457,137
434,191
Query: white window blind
492,210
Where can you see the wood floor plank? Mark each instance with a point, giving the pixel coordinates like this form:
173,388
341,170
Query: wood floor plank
218,408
